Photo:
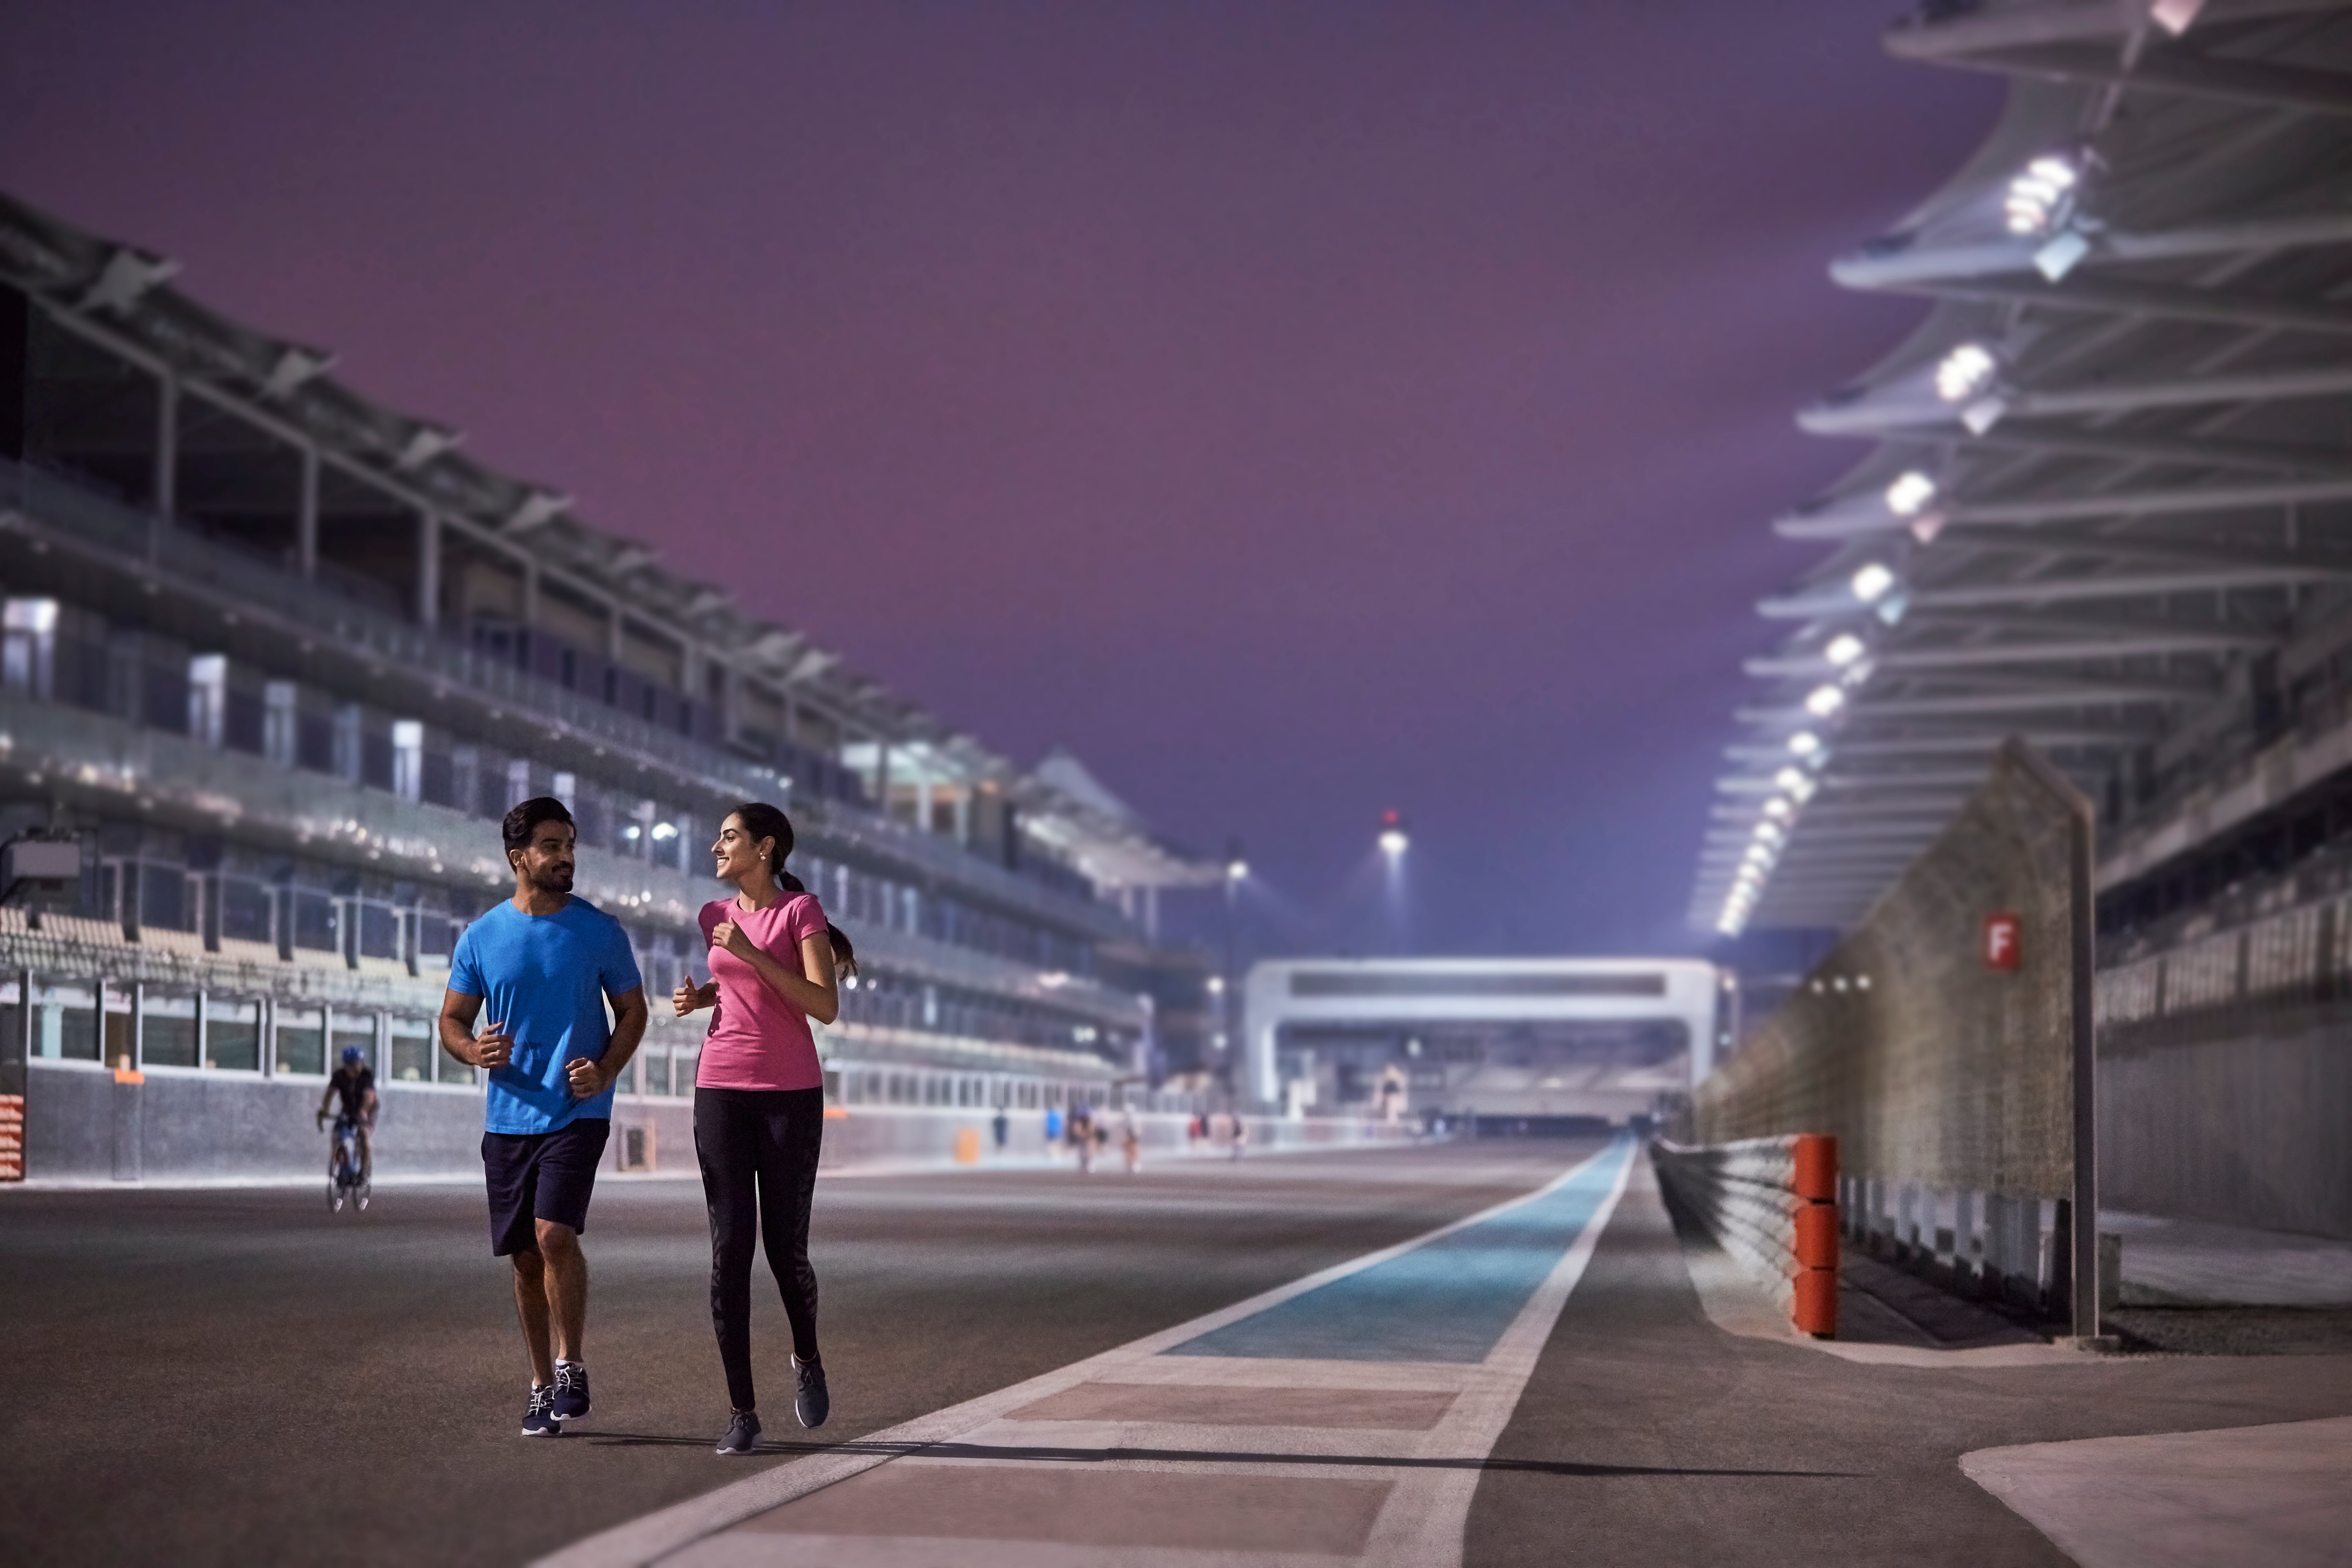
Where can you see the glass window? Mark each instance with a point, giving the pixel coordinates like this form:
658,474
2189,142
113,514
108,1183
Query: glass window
232,1034
411,1050
168,1031
315,923
447,1069
163,898
656,1072
300,1047
243,909
379,932
681,1070
66,1023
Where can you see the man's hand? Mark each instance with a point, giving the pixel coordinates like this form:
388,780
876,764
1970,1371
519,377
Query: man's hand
493,1047
729,935
588,1080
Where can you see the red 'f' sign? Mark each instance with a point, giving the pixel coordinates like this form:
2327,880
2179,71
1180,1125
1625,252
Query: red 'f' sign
2002,948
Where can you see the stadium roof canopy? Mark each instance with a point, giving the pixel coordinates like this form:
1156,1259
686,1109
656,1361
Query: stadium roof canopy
123,296
2112,474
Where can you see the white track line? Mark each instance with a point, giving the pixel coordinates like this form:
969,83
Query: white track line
1403,1534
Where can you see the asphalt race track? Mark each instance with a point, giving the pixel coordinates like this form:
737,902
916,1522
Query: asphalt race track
239,1376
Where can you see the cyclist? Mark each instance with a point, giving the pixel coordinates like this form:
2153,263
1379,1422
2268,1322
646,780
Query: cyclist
355,1083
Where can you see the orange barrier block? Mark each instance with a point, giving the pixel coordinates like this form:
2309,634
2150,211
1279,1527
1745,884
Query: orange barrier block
1816,1304
1814,1179
12,1137
1817,1236
967,1146
1815,1176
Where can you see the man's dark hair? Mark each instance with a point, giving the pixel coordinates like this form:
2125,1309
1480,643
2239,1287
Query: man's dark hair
524,819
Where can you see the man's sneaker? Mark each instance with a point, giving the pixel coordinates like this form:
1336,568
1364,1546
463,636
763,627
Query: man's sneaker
539,1420
743,1434
811,1404
571,1390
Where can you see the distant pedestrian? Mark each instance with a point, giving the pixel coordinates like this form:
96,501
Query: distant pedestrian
1053,1127
759,1100
1003,1127
547,963
1241,1134
1130,1144
1081,1139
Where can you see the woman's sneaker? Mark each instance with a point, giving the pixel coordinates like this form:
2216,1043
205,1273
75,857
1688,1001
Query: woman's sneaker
539,1417
743,1434
811,1403
571,1390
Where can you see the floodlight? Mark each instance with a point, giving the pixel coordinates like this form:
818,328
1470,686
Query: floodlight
1236,870
1965,372
2041,195
1844,649
665,831
1823,700
1392,841
1778,808
1907,494
1769,832
1804,742
1793,780
1870,584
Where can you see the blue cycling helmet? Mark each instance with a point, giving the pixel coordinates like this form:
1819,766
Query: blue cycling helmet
352,1054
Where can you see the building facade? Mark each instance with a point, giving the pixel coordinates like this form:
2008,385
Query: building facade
276,659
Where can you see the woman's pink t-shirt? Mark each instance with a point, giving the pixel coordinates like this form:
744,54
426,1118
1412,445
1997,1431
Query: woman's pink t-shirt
757,1040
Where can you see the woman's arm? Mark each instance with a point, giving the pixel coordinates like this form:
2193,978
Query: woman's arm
811,991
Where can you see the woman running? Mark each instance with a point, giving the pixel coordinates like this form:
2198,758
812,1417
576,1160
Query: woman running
758,1097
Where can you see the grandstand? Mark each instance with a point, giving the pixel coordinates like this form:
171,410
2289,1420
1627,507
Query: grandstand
277,658
2105,501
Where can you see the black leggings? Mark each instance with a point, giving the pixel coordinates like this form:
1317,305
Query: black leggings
772,1135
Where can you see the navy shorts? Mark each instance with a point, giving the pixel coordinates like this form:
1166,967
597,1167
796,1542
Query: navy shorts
541,1175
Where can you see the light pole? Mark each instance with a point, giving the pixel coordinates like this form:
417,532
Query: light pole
1229,1015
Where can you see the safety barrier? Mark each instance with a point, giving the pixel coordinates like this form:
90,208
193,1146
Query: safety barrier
1771,1203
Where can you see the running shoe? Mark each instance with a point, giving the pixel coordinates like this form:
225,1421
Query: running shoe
539,1418
571,1390
811,1404
743,1434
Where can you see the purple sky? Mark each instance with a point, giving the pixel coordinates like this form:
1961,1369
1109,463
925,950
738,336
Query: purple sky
1299,410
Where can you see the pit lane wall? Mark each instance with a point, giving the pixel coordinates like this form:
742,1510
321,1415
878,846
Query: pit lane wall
1953,1068
91,1124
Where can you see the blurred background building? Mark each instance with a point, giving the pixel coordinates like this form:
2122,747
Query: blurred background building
277,659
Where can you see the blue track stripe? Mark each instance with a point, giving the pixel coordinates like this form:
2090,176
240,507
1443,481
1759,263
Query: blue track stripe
1447,1302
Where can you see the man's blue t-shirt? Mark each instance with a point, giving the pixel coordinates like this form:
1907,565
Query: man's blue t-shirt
545,977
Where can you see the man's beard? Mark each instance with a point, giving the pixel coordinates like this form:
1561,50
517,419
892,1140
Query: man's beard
554,879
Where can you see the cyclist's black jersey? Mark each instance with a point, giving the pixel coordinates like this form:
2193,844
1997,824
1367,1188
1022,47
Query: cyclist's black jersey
353,1087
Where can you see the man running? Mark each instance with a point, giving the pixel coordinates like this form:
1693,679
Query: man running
546,962
355,1085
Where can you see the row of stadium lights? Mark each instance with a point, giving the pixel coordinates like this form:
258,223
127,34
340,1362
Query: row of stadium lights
2042,199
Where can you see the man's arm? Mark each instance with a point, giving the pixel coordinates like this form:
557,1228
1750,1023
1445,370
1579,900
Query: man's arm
592,1076
491,1049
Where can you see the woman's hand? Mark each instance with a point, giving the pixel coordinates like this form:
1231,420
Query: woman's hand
689,996
731,936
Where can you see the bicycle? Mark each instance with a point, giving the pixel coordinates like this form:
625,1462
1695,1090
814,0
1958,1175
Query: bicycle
346,1177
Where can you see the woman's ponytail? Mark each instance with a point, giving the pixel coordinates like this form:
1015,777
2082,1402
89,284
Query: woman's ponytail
761,820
